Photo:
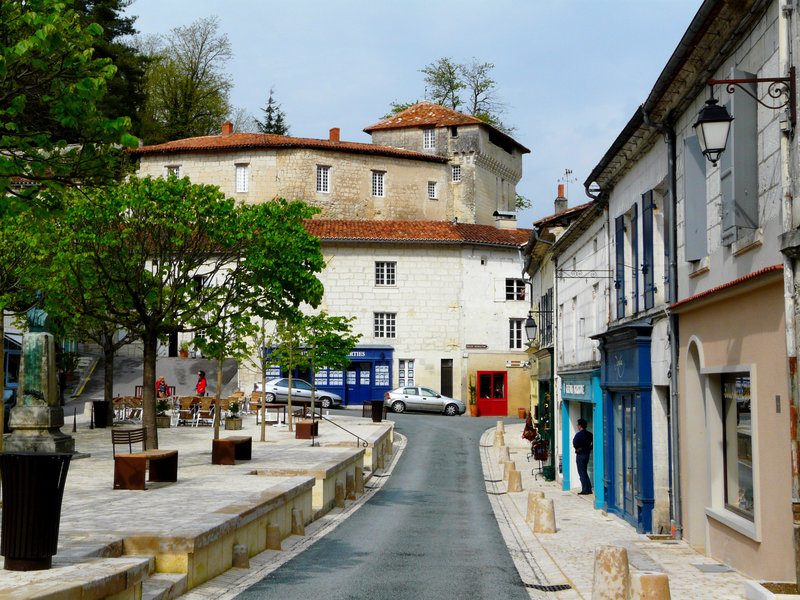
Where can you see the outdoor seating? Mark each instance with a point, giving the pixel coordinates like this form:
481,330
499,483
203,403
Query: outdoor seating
129,469
227,451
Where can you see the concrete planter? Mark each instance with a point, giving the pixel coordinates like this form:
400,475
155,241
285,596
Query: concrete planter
756,591
162,421
233,423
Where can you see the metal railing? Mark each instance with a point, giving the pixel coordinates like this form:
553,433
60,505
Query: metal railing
360,442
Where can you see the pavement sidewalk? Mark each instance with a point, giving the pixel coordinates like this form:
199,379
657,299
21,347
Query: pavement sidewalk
561,565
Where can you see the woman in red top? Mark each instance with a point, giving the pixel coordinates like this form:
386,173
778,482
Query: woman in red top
201,383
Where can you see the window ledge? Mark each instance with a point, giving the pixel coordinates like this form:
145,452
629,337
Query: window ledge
739,524
749,241
699,267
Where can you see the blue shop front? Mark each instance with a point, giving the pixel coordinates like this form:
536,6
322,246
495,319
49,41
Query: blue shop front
582,397
626,381
368,377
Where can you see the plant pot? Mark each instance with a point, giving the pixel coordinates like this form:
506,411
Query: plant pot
522,413
473,410
183,353
233,423
305,430
162,421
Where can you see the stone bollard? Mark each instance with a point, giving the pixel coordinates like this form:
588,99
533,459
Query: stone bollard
338,499
499,439
508,466
501,426
350,486
298,526
514,481
273,537
533,497
612,580
503,454
359,480
544,516
650,586
241,557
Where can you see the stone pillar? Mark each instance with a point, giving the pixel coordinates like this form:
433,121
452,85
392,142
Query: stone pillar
514,481
612,580
298,526
503,454
533,497
508,466
350,486
359,480
501,426
499,439
273,537
544,516
338,494
37,418
241,556
650,586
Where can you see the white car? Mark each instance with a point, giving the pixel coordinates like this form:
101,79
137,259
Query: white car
277,390
414,397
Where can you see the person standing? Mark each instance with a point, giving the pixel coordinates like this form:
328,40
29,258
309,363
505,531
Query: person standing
582,442
201,383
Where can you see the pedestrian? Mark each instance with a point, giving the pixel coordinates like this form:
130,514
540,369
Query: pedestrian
162,389
201,383
582,442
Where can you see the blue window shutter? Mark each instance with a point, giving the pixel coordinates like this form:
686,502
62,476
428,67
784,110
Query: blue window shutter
635,257
619,282
647,249
695,222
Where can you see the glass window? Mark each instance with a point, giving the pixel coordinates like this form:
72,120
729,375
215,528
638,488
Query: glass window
737,433
385,273
321,377
300,385
364,376
323,178
378,188
428,138
171,170
485,385
411,391
427,392
336,377
405,371
242,177
515,289
456,173
432,190
515,334
385,325
382,375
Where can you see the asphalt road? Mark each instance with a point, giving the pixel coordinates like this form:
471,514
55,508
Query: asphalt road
428,533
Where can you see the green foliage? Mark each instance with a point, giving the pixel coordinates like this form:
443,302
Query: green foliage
54,131
274,118
444,82
522,203
186,83
398,107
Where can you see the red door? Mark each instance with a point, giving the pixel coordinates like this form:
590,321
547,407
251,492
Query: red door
492,398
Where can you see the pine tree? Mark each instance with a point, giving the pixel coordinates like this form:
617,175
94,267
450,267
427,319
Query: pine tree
274,118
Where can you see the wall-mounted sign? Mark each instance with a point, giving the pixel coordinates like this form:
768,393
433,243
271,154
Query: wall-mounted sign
358,354
575,388
477,346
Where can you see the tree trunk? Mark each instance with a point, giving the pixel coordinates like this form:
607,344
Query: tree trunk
263,407
289,419
108,372
150,341
216,402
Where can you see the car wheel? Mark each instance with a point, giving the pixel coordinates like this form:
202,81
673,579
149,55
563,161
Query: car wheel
270,398
451,410
325,402
398,406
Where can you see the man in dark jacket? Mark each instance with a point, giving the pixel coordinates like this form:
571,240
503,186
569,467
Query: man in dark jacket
582,442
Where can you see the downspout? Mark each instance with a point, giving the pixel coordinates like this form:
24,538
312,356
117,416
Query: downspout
672,245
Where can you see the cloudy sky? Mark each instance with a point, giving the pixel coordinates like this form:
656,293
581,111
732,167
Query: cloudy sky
571,72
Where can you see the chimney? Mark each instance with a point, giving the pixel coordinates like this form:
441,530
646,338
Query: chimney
561,201
227,129
334,134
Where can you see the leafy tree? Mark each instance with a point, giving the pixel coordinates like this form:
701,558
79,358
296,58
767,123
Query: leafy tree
398,107
274,118
55,131
444,82
125,95
522,202
156,257
186,84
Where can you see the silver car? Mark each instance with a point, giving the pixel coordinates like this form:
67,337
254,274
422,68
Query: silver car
277,390
421,398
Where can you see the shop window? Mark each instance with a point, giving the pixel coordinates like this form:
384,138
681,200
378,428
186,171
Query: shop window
737,441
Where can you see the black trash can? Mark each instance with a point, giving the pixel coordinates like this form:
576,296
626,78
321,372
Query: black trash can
377,411
33,486
100,413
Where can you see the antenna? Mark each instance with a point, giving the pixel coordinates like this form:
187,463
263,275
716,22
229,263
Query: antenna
566,179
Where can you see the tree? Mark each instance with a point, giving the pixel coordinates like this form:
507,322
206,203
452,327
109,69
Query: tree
242,120
274,118
157,257
54,128
186,84
398,107
444,82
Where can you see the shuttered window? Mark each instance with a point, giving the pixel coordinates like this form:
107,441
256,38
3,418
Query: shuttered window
635,258
695,226
648,205
619,247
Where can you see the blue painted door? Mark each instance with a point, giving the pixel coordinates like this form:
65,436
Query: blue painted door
359,382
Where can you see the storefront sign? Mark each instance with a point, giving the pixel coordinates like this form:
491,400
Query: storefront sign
577,389
477,346
358,354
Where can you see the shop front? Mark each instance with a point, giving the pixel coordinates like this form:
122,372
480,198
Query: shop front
543,411
368,377
582,398
626,381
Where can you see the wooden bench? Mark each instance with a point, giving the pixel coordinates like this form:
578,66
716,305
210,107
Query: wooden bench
226,451
129,468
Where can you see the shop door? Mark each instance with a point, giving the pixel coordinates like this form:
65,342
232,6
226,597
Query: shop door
359,382
492,398
625,442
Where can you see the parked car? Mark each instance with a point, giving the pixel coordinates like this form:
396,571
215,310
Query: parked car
277,390
421,398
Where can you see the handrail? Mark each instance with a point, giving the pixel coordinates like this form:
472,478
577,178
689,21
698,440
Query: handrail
359,440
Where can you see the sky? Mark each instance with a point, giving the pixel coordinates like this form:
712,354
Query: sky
570,72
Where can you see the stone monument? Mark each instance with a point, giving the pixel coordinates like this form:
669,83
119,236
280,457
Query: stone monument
37,418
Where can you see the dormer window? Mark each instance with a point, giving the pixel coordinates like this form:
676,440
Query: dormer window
428,139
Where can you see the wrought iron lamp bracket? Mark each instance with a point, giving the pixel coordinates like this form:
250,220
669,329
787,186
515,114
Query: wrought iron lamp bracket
778,86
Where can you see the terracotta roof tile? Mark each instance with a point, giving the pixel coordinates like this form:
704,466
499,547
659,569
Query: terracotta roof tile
575,210
436,232
727,286
239,141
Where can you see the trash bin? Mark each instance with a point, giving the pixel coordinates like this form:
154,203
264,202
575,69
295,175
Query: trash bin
377,411
33,486
100,413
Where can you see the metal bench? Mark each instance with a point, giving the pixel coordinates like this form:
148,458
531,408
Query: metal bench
226,451
129,468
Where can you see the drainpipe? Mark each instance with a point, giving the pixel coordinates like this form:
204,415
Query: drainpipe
672,245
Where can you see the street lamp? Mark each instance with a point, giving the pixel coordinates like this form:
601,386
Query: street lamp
530,327
714,122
